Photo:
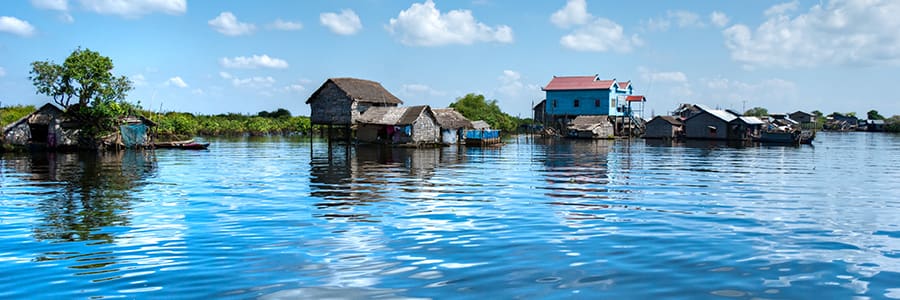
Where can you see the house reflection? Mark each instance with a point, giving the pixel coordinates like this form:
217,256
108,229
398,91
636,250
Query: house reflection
93,190
348,178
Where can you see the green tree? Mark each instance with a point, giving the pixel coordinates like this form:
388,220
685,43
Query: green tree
475,107
757,112
874,115
851,114
85,76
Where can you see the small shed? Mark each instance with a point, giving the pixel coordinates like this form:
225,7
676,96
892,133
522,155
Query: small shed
664,127
46,127
453,124
135,132
876,125
708,124
591,127
745,128
802,117
341,101
398,125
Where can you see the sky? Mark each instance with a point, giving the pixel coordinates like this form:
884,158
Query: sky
247,56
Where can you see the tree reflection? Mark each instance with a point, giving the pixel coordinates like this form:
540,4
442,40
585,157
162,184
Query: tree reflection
94,191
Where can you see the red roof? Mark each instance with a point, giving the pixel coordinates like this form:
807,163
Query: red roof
624,85
560,83
635,98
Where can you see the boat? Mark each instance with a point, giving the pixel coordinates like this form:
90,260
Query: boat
186,145
795,137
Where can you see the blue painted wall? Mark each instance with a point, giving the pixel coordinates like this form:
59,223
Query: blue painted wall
565,102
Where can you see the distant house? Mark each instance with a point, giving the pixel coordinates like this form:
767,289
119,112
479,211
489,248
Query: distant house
802,117
480,124
591,127
686,110
708,124
341,101
876,126
664,127
398,125
745,128
453,124
570,96
44,128
841,122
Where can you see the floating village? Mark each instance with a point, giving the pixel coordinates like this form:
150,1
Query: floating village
362,111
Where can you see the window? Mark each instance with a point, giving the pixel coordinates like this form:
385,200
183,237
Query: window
612,103
554,102
576,103
597,102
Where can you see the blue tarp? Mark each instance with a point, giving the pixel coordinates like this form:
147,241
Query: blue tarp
479,134
134,135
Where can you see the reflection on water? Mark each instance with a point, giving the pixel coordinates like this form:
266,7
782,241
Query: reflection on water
283,218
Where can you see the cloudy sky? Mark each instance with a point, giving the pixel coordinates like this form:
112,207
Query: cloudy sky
247,56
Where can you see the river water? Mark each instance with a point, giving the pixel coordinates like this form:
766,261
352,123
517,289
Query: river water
286,218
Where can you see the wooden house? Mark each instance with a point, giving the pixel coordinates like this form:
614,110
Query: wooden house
398,125
744,128
664,127
453,124
45,128
341,101
568,97
802,117
708,124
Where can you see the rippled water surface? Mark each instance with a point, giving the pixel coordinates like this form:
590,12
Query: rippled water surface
289,218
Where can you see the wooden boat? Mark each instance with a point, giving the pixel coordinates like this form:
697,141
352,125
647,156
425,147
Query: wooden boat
186,145
787,137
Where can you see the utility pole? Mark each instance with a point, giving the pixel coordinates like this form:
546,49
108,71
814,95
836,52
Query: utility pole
744,108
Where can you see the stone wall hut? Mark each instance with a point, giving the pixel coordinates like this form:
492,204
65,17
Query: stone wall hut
398,125
664,127
44,128
453,124
341,101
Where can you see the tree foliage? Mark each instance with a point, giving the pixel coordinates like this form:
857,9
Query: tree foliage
475,107
85,76
174,125
757,112
874,115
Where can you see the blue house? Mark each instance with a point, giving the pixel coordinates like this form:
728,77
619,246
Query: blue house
572,96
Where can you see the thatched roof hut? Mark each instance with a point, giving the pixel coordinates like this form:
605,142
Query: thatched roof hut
340,101
449,118
415,124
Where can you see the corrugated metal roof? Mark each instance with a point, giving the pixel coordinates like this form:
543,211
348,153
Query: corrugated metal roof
635,98
752,120
721,114
561,83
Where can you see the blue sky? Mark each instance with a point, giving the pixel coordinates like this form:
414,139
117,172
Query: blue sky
247,56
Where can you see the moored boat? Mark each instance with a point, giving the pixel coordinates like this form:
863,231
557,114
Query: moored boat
187,145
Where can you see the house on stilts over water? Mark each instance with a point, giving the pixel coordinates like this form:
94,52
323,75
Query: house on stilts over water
339,102
572,102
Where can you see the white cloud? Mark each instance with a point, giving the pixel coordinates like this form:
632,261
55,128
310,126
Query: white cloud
602,35
253,62
200,92
681,18
2,72
345,23
135,8
783,8
660,77
420,90
226,23
513,93
16,26
250,82
848,32
280,24
294,88
719,19
138,80
66,18
422,24
176,81
60,5
574,13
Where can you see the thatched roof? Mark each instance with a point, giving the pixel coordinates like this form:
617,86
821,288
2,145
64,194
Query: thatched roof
360,90
449,118
46,108
480,124
393,115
